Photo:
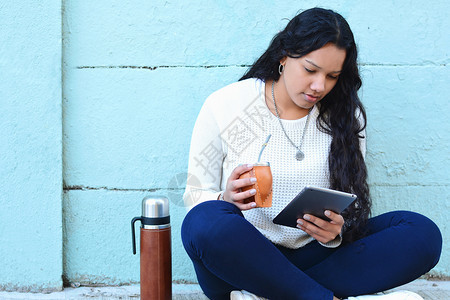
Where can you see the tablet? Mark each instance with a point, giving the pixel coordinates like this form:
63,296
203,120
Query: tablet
313,201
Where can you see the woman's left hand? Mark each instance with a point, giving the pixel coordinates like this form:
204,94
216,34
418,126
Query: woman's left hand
323,231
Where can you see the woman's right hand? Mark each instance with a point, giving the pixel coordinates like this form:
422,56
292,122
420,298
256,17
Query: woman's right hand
233,193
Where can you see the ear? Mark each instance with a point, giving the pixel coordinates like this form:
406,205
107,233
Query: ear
283,60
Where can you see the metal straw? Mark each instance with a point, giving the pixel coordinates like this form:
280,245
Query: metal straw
264,147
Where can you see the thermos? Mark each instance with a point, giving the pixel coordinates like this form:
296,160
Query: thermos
156,254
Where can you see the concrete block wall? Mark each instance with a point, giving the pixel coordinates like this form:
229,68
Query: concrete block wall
134,76
30,146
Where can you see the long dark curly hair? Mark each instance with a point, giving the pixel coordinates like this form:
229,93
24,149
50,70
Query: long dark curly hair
340,110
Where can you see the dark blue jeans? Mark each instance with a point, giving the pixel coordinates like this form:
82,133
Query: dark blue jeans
229,254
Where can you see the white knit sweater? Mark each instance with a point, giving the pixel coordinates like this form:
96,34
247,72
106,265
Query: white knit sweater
232,125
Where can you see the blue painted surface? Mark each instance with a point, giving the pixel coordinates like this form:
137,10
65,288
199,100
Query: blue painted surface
130,129
97,237
135,75
152,33
30,146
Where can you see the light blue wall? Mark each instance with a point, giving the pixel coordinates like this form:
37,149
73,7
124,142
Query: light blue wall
30,146
135,74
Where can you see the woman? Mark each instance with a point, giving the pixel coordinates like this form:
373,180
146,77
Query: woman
303,92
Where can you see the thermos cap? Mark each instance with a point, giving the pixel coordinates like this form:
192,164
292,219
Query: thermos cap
155,207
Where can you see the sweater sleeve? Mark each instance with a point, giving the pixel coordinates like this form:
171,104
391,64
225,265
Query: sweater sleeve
205,160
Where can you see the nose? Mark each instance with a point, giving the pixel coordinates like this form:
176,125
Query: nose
318,84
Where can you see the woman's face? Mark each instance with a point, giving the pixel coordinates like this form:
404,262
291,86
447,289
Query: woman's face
310,78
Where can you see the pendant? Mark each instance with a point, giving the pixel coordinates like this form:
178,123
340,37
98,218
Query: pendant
300,155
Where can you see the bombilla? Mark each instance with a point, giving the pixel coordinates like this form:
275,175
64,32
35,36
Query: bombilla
264,147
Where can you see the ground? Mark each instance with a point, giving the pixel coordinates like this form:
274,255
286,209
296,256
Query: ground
429,290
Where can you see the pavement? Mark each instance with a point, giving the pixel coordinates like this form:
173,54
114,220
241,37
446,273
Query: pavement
428,289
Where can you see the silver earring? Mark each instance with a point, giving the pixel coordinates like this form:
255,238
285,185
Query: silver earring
280,69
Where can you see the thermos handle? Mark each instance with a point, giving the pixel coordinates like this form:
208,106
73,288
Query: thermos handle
133,232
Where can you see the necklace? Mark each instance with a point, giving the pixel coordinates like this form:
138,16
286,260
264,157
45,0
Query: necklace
299,155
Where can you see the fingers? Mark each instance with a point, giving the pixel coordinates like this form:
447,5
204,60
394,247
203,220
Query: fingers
246,206
334,217
322,230
315,232
239,170
234,184
240,183
233,192
240,196
316,221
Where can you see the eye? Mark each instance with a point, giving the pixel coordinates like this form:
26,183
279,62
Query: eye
333,77
309,70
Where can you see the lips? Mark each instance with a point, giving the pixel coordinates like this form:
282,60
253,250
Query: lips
311,98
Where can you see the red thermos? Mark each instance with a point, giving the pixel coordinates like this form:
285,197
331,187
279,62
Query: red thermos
156,254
